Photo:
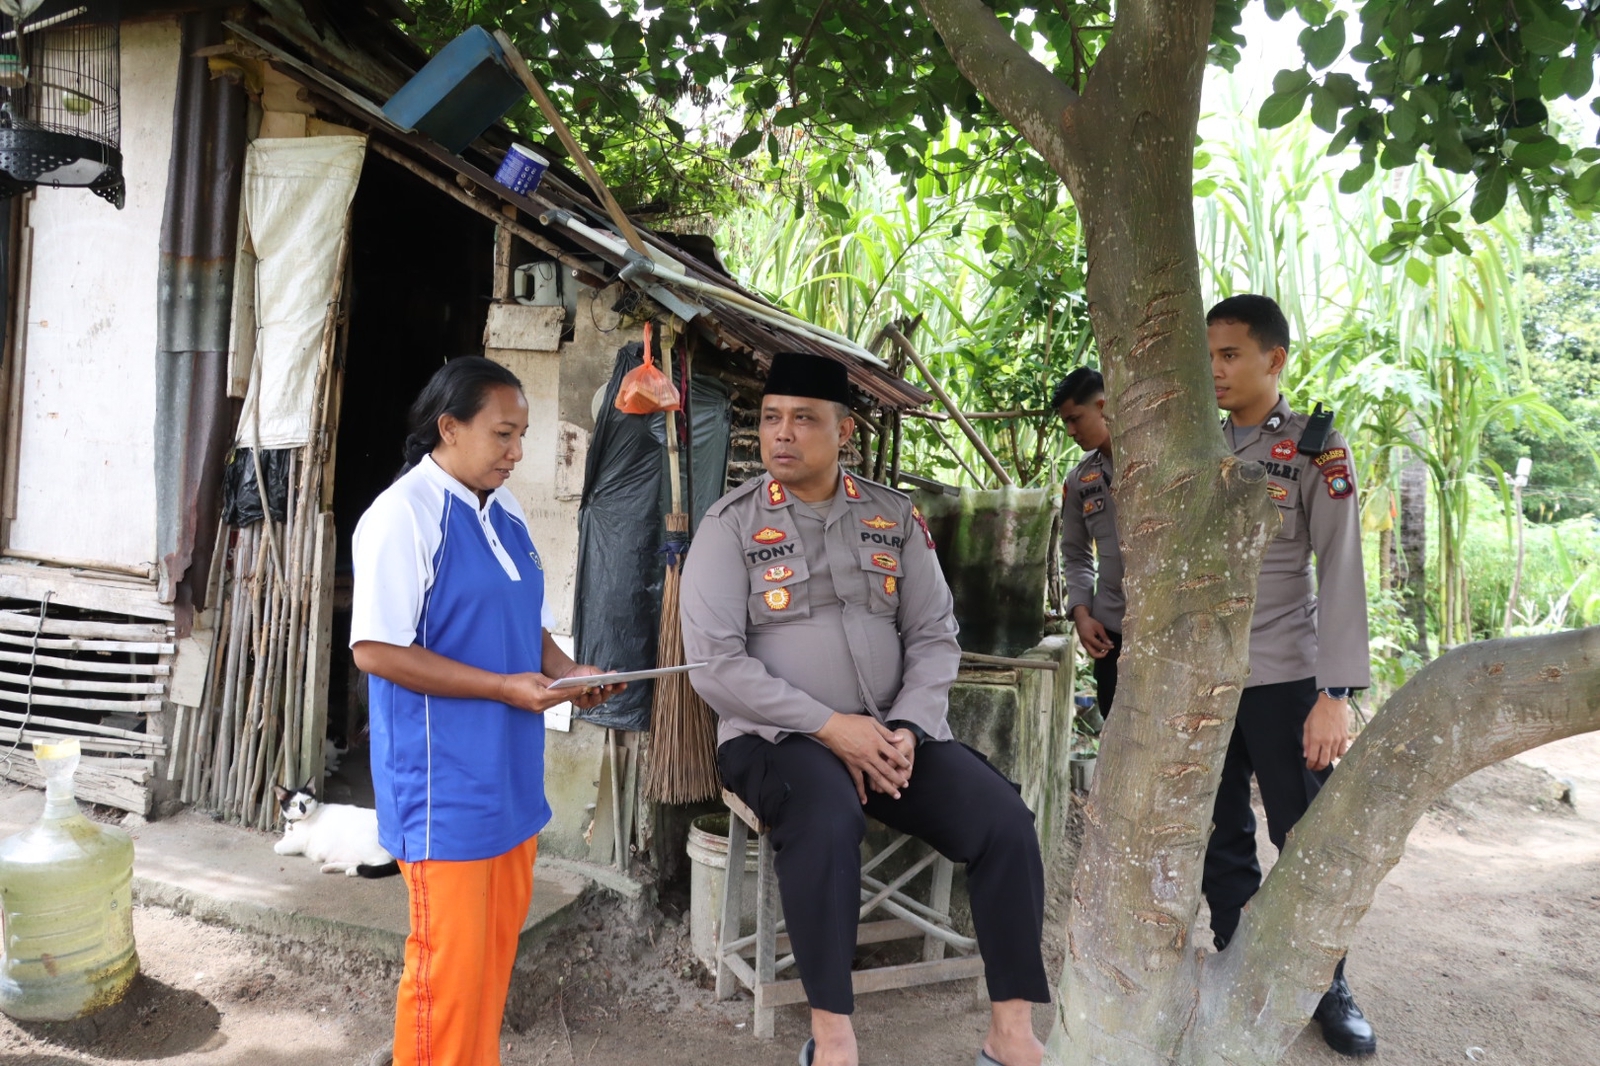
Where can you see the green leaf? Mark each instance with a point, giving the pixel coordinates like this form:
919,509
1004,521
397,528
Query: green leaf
1536,155
1357,176
1280,109
992,238
833,209
1418,271
1580,76
1205,187
1291,80
1587,185
1392,209
1403,121
1552,83
1323,44
954,156
1489,198
1543,35
1202,159
788,116
1387,253
1324,109
745,144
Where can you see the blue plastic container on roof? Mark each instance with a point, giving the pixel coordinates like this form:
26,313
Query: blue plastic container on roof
460,93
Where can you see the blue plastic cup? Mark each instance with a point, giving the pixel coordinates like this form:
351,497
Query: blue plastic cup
521,170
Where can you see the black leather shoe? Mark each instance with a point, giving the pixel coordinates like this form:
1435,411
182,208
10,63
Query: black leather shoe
1344,1028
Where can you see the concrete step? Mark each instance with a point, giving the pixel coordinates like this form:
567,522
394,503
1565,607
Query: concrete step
231,876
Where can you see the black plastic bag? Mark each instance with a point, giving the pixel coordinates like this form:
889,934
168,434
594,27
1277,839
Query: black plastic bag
241,499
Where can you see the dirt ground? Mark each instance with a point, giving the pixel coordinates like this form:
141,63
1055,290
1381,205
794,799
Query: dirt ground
1482,946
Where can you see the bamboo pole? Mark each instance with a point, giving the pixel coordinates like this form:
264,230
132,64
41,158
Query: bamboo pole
950,405
520,68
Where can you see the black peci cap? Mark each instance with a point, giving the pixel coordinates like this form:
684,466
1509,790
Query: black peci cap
804,374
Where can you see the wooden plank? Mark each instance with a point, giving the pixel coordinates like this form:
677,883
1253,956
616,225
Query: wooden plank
120,783
88,741
135,647
145,571
87,666
71,725
884,978
76,703
189,670
92,593
319,637
28,622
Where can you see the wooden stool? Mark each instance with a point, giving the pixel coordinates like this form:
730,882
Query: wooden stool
911,918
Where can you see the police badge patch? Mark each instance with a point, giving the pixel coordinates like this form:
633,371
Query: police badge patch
776,599
878,522
889,585
777,573
768,535
1285,450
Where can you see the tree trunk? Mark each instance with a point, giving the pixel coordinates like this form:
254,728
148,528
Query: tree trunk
1414,550
1194,523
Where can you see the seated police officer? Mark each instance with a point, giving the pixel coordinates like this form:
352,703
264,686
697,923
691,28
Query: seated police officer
817,601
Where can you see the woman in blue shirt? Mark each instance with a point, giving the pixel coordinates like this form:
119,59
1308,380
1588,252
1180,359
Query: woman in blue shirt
450,620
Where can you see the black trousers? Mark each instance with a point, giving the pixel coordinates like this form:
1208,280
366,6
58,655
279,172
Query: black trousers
1105,674
1267,742
956,802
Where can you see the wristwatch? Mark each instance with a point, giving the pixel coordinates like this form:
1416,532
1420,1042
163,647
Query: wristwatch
1336,693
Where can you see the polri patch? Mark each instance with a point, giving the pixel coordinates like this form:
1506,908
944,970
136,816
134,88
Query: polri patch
1285,449
885,561
1330,455
768,535
777,599
889,585
850,489
777,573
878,522
1339,487
1094,506
1092,475
775,494
1277,491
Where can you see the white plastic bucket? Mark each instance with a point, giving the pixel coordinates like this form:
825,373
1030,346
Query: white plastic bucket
708,859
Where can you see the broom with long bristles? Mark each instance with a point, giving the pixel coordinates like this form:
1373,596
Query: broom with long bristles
683,732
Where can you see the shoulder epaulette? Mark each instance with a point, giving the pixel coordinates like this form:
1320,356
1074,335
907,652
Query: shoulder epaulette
880,485
743,490
1316,431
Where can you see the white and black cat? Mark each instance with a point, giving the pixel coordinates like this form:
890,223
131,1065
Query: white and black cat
343,838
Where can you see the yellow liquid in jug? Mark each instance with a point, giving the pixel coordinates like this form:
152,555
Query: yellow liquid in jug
66,907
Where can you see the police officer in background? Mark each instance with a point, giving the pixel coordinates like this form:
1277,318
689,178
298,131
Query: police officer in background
1308,638
817,601
1089,530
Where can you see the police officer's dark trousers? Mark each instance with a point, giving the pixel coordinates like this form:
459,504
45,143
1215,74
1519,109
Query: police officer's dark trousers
1267,742
956,802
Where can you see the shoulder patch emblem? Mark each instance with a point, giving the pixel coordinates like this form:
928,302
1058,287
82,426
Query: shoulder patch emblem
1092,475
1095,505
1277,491
885,561
889,585
775,494
1272,423
878,522
916,513
1285,450
777,573
776,599
1330,455
537,562
1339,487
768,535
850,489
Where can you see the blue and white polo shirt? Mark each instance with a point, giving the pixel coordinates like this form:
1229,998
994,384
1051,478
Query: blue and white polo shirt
455,779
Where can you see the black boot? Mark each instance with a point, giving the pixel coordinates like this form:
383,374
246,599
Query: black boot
1344,1027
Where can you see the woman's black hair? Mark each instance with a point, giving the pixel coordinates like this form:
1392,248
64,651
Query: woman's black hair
459,389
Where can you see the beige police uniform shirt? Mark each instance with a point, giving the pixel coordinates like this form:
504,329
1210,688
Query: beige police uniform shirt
801,612
1305,625
1089,518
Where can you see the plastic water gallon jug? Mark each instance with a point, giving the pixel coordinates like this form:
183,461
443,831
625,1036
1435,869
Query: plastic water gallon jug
66,905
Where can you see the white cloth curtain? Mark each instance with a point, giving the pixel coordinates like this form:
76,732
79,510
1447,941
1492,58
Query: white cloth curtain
297,194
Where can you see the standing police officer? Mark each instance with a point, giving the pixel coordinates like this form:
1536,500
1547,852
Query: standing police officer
1091,558
818,604
1308,638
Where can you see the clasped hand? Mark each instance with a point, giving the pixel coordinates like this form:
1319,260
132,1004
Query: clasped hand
876,756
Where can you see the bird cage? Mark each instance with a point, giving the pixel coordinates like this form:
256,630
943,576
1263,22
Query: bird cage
60,111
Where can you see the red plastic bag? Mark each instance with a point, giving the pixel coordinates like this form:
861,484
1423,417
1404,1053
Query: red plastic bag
645,389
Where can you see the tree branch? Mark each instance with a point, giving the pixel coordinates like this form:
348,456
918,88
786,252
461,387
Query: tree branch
1473,707
1020,87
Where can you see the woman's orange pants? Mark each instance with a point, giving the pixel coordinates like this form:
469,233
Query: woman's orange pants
465,921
